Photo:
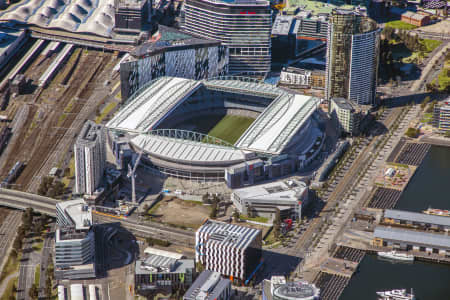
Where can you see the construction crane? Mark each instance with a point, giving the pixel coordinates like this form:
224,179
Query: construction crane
132,173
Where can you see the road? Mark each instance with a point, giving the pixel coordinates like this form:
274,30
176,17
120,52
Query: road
8,233
27,269
48,245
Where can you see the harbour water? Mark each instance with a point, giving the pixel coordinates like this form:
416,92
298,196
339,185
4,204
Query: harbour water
428,188
429,281
430,184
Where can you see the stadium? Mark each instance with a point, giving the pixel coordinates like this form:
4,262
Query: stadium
229,128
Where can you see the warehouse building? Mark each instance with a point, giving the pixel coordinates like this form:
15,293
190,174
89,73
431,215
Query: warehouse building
209,286
263,200
163,271
74,242
416,220
404,239
229,249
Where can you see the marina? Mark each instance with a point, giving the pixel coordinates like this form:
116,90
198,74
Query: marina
400,214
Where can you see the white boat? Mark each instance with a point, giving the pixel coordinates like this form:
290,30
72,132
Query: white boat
396,295
396,255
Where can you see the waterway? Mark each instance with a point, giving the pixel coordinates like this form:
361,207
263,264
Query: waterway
429,281
428,188
430,184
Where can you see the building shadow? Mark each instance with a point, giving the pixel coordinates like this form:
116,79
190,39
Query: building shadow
276,264
115,247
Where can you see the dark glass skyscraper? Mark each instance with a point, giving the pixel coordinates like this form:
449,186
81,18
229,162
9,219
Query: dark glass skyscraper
352,57
244,26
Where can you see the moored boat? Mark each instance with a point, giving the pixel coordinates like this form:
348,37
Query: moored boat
396,255
400,294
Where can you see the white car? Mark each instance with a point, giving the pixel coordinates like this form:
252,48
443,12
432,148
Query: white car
178,192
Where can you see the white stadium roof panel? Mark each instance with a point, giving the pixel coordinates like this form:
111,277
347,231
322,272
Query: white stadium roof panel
79,16
193,151
148,108
273,129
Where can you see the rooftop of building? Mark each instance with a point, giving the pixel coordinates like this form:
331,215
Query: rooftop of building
412,236
296,290
167,38
282,25
229,234
78,211
343,103
209,285
131,3
279,190
162,264
321,8
7,37
89,132
417,217
79,16
316,63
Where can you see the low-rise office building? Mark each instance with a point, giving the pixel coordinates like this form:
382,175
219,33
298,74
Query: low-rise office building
416,220
415,18
306,75
346,115
163,271
441,116
405,239
229,249
74,241
209,286
288,196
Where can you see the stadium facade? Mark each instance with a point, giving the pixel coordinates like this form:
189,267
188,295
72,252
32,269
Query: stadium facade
284,137
243,26
172,53
352,57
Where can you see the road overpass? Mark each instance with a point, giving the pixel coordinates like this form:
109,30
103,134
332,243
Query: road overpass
45,205
22,200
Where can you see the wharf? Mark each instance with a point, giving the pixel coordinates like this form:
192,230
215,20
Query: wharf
337,266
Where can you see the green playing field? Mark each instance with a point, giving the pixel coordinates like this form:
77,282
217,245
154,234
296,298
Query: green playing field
230,128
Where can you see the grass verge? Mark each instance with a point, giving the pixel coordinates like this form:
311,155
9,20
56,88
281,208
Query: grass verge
37,275
105,111
256,219
11,266
397,24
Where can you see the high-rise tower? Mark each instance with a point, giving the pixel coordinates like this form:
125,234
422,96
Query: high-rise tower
352,57
244,26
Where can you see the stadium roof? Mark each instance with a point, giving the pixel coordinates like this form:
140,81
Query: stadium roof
278,123
188,151
270,133
417,217
80,16
151,103
413,237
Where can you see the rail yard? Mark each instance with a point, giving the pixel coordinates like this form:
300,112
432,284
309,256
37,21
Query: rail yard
61,94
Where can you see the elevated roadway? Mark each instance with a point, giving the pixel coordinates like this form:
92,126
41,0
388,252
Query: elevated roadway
45,205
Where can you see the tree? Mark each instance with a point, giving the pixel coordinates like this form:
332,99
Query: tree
412,132
33,292
213,213
236,215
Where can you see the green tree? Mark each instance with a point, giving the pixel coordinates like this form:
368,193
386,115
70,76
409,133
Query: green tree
33,292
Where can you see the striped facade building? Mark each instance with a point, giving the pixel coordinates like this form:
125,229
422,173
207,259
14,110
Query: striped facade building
244,26
229,249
